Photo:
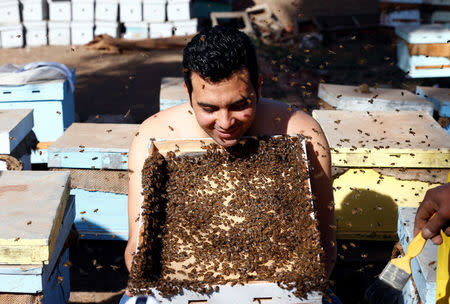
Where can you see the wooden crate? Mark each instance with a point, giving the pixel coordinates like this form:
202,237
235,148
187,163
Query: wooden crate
344,97
34,203
31,279
53,108
172,92
425,264
394,168
87,148
422,50
251,292
15,125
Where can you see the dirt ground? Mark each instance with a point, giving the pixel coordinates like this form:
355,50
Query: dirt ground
110,85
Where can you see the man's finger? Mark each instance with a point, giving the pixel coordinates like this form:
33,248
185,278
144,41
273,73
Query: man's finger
424,212
433,227
437,240
128,293
447,231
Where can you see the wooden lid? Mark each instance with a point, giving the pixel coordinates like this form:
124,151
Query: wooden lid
425,33
385,139
32,204
14,126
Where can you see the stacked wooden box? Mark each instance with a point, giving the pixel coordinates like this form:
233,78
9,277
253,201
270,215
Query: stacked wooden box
172,92
15,126
440,97
11,30
381,161
97,156
397,12
36,220
53,109
423,50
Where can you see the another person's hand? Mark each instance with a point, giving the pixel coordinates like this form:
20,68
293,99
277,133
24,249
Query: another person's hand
437,200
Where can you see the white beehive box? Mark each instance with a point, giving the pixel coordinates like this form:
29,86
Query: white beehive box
130,11
182,28
154,11
11,35
60,10
9,11
34,10
178,10
82,32
58,33
397,18
136,30
440,17
83,10
109,28
35,33
160,30
106,10
422,65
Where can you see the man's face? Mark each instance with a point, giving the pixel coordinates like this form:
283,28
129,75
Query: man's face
224,110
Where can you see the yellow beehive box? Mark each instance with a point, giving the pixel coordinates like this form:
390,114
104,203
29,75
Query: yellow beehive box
381,161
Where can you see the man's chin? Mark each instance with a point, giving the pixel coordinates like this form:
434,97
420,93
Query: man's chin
226,142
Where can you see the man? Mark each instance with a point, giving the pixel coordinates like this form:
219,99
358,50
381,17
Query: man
224,89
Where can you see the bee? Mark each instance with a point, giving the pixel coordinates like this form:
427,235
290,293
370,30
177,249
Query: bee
29,223
171,128
58,112
60,280
94,158
96,210
67,264
339,96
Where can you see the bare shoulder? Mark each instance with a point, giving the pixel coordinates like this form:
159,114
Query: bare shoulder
301,122
170,123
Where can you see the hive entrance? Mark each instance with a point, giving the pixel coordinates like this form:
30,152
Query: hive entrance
228,217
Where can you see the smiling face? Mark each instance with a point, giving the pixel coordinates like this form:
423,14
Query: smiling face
225,110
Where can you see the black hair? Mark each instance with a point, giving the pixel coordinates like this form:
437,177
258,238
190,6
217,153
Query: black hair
216,53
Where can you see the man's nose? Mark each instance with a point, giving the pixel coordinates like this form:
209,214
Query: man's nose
224,120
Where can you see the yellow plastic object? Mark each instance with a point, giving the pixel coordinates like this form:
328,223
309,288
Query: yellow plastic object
443,269
414,248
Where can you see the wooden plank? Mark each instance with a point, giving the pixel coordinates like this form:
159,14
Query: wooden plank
172,92
440,97
430,49
14,126
39,197
384,139
90,145
424,265
345,97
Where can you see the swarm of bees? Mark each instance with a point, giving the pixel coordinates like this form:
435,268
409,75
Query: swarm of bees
228,216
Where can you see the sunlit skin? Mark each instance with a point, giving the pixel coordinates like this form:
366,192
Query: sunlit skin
225,111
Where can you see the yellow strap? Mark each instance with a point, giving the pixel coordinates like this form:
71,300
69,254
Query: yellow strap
443,269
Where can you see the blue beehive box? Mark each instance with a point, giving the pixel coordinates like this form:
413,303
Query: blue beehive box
97,156
440,97
53,108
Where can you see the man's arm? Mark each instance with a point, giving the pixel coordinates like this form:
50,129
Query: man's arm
321,186
136,159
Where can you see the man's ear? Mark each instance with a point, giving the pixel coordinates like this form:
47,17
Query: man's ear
187,93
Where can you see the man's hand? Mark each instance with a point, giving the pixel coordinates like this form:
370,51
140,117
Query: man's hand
437,200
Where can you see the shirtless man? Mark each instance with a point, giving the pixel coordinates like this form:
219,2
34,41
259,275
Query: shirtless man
224,89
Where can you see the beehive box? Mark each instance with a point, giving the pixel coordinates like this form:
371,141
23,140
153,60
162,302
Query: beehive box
425,264
396,18
58,33
34,10
9,11
381,161
60,10
15,125
11,35
160,30
34,203
35,33
422,50
172,92
107,27
82,32
83,10
52,104
130,11
136,30
49,281
106,10
356,98
186,27
178,10
154,11
97,156
440,97
197,249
